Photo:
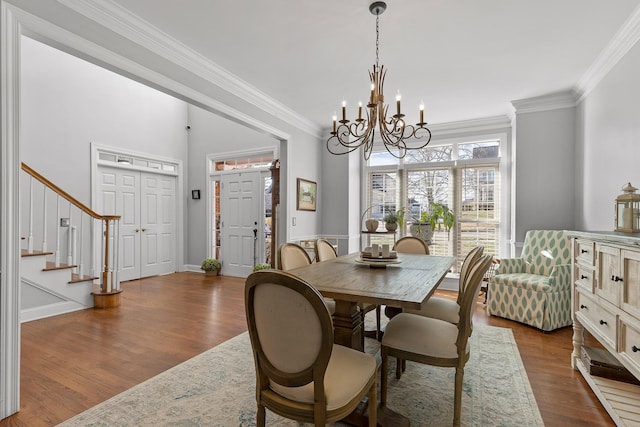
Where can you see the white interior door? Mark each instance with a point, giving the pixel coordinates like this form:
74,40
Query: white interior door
240,215
146,203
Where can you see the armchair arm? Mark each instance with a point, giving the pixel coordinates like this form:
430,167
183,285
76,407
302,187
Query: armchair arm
511,265
560,276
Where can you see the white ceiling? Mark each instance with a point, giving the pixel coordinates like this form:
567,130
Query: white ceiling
466,59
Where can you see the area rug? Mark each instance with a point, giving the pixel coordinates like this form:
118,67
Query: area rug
217,388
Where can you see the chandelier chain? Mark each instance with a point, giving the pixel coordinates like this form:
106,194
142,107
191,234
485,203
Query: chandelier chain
377,39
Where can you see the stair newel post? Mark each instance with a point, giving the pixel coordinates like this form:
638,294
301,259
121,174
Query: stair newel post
106,283
30,239
116,254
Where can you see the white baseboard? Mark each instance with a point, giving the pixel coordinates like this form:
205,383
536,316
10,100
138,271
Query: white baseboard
192,268
29,314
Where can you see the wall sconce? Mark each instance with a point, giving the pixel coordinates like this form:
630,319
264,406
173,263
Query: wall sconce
195,194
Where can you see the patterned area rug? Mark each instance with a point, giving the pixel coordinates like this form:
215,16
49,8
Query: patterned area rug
217,388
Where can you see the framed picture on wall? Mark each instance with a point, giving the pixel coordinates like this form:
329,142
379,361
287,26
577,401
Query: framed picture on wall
306,195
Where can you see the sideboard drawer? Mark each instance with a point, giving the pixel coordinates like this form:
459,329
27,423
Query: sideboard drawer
585,252
629,347
584,277
599,319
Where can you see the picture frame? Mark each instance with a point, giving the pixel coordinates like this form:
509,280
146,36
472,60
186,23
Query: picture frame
306,195
195,194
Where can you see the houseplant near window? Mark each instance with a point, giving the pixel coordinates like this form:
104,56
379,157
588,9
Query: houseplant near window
211,266
261,266
391,221
439,216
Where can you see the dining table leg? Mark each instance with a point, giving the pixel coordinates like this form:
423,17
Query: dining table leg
347,325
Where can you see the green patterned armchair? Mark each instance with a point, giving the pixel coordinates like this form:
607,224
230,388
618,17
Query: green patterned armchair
536,288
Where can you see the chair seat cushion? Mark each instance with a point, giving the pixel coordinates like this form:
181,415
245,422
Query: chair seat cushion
534,282
422,335
347,375
439,308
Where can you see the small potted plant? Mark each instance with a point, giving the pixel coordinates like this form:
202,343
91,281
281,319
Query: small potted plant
211,266
391,221
261,266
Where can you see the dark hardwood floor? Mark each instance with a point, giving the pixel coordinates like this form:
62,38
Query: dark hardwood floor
72,362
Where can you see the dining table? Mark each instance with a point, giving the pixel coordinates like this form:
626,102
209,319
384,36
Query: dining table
403,282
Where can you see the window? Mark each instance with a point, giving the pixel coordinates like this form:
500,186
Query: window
463,175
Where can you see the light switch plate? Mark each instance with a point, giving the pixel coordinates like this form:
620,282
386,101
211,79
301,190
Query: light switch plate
65,222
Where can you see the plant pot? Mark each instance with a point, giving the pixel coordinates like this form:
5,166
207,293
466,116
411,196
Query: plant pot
211,273
371,225
422,231
391,226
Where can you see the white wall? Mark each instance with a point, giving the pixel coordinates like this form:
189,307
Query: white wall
68,103
608,149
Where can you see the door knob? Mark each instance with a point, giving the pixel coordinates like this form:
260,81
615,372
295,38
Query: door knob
137,230
144,229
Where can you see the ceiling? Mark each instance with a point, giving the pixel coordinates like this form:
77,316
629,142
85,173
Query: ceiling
465,59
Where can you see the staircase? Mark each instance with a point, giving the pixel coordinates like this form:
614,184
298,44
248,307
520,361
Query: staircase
50,287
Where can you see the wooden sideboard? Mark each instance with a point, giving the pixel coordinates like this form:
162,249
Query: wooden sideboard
606,302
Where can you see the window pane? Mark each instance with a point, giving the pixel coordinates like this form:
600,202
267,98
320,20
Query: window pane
382,194
479,150
424,187
479,191
382,158
439,153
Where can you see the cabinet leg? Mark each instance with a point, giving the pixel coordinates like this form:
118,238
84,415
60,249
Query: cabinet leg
578,341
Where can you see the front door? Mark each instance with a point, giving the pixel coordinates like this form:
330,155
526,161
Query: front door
241,222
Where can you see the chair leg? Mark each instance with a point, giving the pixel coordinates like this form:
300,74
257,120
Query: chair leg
378,328
398,368
383,375
457,401
260,416
373,405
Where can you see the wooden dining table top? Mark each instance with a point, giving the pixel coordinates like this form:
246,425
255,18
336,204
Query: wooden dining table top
404,285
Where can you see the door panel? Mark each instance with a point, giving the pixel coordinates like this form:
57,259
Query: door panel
240,211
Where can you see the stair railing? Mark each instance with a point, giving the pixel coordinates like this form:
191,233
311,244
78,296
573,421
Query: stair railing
75,242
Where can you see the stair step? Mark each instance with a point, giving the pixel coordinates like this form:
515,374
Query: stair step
24,252
75,278
52,266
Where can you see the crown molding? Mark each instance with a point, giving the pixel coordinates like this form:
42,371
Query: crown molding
552,101
126,24
487,124
626,37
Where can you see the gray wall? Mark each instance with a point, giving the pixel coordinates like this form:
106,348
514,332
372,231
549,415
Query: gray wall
608,148
544,170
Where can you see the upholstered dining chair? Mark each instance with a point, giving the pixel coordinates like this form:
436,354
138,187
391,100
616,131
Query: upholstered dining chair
444,308
433,341
292,255
300,373
411,245
324,250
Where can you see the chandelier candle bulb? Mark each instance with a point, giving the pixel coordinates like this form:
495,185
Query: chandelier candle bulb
359,110
421,108
344,111
335,118
398,98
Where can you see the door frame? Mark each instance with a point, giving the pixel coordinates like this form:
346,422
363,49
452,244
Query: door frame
213,175
166,166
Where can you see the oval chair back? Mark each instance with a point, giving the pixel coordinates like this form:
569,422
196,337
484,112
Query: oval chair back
411,245
292,255
324,250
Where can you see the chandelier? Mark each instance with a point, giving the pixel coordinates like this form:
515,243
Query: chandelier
396,135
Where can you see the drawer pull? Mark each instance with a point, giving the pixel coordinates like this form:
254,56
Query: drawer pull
635,349
584,251
602,322
582,276
618,279
582,306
